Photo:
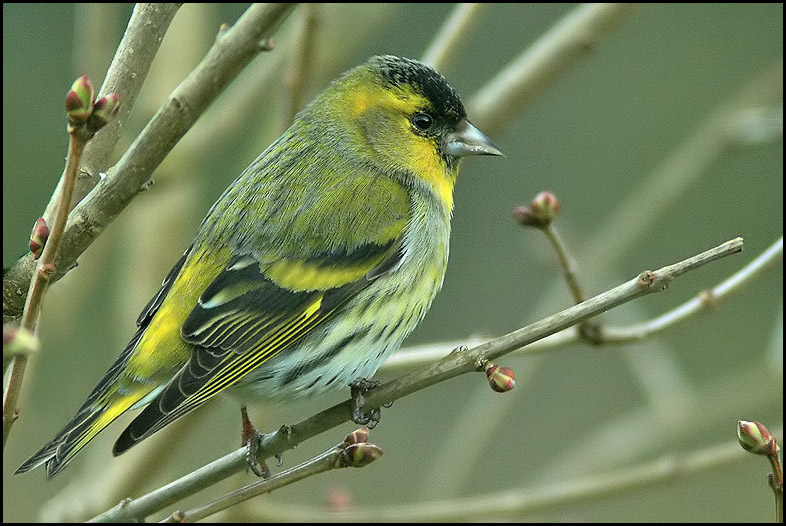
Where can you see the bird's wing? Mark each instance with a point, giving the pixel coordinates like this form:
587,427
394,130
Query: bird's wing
86,423
252,311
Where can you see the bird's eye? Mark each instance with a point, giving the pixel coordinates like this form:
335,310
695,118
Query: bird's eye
422,121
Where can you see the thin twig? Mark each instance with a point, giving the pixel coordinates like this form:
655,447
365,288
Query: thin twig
232,51
566,261
353,451
319,464
706,299
125,76
42,277
453,32
413,357
301,66
520,503
457,363
337,457
775,479
542,62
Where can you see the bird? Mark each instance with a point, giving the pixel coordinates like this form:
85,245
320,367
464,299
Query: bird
309,270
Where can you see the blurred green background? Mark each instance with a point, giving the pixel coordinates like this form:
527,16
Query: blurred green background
595,137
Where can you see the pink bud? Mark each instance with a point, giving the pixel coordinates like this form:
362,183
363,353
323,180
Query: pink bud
80,100
501,379
38,237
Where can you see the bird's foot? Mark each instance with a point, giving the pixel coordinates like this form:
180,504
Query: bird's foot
358,388
250,438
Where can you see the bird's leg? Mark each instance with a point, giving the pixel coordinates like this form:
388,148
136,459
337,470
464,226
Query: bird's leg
250,438
358,388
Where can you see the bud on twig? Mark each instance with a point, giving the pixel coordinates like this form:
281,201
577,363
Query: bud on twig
103,112
501,379
545,206
756,438
359,455
358,436
80,100
541,211
524,216
38,237
16,341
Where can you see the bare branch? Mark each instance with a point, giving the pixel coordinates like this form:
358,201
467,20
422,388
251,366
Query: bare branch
451,35
233,50
459,362
542,62
126,74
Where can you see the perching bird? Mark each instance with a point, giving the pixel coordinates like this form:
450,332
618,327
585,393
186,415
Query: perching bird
309,270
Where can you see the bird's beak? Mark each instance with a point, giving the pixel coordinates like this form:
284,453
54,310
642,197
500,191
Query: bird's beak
468,140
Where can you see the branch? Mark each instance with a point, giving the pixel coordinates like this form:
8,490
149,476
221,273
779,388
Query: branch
419,356
86,116
354,451
301,67
516,503
125,77
453,32
41,279
706,299
458,362
233,50
126,74
542,62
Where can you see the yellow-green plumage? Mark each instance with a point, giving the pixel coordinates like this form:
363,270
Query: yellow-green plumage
310,269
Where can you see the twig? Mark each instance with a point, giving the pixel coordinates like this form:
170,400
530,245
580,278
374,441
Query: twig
755,438
413,357
453,32
704,300
457,363
125,76
542,62
301,67
542,213
79,133
567,262
346,454
42,277
518,503
233,50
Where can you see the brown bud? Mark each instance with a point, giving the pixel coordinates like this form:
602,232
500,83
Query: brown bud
105,109
358,436
540,213
545,207
756,438
359,455
524,216
80,100
38,237
501,379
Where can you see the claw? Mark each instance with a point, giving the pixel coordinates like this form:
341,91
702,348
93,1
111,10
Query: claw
358,388
251,437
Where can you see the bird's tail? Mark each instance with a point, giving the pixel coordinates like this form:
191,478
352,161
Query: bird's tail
104,404
87,423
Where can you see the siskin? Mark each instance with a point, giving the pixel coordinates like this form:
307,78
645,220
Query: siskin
310,269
